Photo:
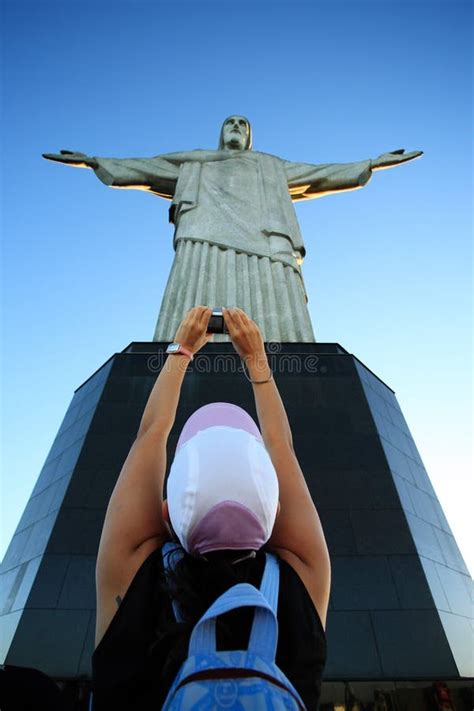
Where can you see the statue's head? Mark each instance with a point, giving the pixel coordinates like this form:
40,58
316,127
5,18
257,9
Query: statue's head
236,134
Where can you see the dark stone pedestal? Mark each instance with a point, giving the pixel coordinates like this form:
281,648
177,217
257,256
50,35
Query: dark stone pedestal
400,595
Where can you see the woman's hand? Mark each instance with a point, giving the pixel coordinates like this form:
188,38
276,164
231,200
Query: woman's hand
192,331
245,334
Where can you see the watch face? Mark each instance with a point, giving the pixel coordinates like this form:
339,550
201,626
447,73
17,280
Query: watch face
173,347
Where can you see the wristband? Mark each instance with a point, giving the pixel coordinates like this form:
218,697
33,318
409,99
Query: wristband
175,348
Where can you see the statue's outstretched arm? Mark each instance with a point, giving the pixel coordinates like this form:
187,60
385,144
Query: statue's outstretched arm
307,181
156,175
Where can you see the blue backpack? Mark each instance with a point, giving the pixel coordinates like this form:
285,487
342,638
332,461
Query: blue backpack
240,680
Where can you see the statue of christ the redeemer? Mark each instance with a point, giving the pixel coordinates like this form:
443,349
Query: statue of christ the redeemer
237,241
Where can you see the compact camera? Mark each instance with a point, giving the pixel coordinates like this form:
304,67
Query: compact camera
216,322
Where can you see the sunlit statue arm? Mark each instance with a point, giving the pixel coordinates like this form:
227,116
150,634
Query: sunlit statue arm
158,175
306,181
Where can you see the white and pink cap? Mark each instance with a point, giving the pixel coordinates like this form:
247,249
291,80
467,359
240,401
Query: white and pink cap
222,488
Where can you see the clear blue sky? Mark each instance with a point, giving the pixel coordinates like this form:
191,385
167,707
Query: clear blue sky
388,268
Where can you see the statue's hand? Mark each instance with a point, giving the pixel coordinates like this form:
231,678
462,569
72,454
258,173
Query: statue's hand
387,160
74,158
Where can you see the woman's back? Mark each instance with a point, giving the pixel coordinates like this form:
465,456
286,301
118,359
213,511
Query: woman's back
143,648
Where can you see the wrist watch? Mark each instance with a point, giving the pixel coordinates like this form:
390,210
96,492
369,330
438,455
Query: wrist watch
174,348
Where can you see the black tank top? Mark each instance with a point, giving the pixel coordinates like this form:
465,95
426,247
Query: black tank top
133,667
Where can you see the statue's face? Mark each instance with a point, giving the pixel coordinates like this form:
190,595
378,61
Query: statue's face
235,133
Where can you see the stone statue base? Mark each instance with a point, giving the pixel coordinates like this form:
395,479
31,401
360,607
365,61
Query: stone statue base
399,602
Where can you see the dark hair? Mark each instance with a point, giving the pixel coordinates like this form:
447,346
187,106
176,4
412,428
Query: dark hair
195,583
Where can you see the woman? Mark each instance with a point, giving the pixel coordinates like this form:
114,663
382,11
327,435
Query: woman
139,646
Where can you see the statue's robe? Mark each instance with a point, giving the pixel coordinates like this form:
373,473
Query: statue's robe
237,241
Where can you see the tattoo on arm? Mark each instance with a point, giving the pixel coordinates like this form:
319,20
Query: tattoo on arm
118,600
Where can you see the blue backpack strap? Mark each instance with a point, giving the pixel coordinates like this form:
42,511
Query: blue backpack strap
264,631
172,553
270,585
262,625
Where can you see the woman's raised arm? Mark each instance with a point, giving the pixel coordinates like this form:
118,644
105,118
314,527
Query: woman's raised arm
134,523
297,535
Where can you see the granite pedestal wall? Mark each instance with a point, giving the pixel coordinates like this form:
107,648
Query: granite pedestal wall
400,602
